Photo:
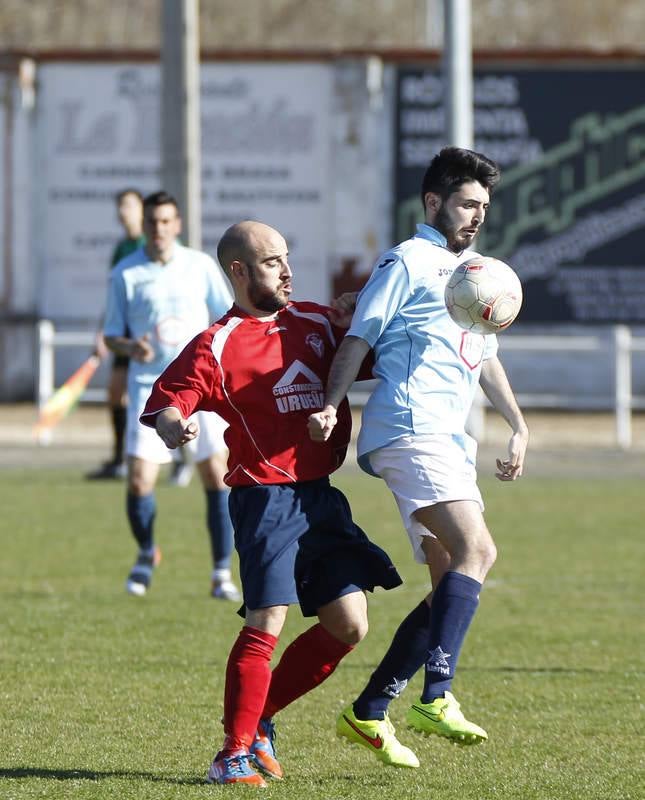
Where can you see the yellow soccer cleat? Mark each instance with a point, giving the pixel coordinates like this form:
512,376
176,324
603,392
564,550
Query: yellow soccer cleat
443,717
377,736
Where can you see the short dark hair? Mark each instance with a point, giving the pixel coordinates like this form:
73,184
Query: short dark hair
125,192
454,166
160,198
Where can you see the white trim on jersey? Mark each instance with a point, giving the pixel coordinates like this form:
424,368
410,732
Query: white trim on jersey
298,368
219,339
153,414
320,318
240,468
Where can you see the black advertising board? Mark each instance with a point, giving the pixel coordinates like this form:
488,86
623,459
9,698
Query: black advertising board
569,213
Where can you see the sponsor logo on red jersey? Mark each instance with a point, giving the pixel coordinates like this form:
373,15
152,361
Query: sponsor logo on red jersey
298,389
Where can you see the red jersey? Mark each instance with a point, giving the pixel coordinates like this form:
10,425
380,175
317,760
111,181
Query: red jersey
264,378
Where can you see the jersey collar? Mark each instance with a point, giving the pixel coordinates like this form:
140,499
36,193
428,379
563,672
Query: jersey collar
240,312
176,251
425,231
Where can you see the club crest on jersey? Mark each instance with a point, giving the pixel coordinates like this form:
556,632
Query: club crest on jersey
298,389
172,331
471,349
316,343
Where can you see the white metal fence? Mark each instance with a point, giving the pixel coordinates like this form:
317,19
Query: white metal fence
49,339
623,345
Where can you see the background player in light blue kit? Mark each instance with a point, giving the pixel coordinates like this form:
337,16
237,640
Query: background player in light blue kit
159,297
413,436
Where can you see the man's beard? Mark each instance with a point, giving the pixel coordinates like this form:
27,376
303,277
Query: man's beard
263,299
445,225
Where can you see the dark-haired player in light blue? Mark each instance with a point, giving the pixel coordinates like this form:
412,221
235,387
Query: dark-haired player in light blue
413,436
159,297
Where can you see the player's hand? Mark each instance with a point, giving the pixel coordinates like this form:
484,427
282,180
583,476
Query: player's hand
512,468
321,424
343,308
142,350
100,348
176,432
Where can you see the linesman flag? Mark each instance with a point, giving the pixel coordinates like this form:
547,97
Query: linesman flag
66,396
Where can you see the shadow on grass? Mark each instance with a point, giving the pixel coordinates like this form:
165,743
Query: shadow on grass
509,668
18,773
540,670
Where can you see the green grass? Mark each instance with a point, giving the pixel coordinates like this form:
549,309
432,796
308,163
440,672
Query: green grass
107,696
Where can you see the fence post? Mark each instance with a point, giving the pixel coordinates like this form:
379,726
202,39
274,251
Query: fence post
623,385
45,361
46,335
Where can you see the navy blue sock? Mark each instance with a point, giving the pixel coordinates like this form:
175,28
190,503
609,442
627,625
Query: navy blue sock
119,420
406,655
141,513
219,527
454,603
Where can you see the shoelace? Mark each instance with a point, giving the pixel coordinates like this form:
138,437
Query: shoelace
237,764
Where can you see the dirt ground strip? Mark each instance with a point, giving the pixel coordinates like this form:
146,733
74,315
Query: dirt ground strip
561,443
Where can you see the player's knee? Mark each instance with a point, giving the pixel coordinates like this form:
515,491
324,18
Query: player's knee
359,631
479,554
270,619
493,554
139,486
356,630
486,553
350,630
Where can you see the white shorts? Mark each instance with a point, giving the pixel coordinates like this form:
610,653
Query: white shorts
143,442
421,471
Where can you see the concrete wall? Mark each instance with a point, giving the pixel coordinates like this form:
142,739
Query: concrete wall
300,25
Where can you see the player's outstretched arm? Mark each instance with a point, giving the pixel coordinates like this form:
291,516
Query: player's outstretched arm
497,389
174,429
343,372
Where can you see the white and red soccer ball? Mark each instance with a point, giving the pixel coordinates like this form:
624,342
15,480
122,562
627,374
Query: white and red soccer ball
483,295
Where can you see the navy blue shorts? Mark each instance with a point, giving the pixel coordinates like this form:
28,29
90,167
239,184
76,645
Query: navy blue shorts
299,543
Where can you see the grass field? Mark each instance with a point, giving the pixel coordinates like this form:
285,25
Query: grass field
107,696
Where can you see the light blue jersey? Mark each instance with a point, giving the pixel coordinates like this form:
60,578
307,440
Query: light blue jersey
169,303
428,367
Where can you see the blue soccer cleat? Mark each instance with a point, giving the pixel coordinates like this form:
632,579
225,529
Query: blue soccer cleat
263,749
234,768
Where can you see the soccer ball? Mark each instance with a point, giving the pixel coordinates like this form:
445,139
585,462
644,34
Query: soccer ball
483,295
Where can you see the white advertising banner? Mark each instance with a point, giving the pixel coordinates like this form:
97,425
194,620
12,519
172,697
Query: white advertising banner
265,155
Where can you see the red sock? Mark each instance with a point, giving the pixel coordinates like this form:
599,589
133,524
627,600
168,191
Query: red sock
248,675
306,663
